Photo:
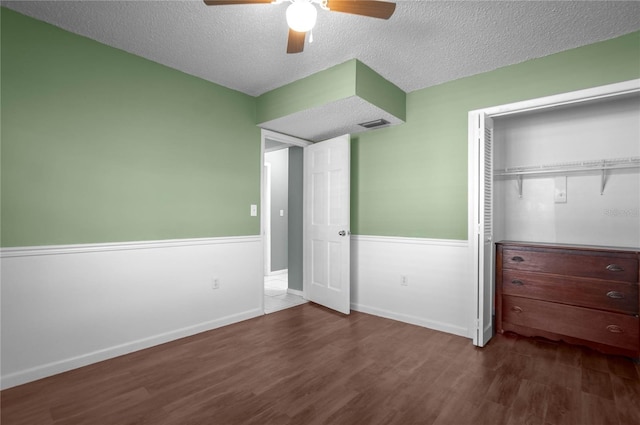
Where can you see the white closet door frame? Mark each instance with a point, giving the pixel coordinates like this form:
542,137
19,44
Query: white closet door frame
479,330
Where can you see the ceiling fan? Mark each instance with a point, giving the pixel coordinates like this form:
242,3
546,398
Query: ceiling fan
302,14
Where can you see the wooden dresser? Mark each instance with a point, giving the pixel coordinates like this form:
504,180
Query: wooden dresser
580,294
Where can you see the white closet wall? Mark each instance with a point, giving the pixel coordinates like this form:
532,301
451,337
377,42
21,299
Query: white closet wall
603,130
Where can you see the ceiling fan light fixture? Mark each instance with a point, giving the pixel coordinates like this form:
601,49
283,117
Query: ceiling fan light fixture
301,15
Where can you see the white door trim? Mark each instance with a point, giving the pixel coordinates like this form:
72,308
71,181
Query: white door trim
579,96
282,138
267,218
547,102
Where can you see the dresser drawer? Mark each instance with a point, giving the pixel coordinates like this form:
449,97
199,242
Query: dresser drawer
615,329
601,294
593,264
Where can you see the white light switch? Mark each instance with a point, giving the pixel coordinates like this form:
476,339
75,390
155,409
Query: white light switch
254,210
281,213
560,191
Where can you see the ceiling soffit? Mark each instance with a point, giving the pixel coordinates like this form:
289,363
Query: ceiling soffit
331,103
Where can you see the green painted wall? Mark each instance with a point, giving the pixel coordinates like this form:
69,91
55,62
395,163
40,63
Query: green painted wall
411,180
371,87
102,146
99,145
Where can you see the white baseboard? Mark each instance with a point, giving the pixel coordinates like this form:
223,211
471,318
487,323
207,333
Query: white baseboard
278,272
295,292
413,320
43,371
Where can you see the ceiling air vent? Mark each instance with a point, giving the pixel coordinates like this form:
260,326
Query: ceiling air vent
374,123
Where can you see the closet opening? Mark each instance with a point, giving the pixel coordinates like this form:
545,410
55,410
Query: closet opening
561,169
569,175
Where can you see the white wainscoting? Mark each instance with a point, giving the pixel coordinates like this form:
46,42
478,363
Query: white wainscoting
437,294
68,306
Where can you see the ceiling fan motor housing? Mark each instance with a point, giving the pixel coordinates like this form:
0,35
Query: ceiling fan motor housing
301,15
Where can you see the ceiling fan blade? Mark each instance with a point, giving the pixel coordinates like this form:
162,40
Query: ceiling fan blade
224,2
373,9
296,41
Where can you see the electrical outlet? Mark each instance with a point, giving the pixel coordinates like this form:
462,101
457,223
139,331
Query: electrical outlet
215,283
404,280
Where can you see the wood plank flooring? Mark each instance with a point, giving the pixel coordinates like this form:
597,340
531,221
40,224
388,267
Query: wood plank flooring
308,365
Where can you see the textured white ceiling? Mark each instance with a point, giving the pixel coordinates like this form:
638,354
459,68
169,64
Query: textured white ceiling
423,44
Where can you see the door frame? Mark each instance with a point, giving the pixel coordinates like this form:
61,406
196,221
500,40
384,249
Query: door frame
542,103
287,140
266,233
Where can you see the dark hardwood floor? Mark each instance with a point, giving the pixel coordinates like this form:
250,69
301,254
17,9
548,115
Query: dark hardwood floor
308,365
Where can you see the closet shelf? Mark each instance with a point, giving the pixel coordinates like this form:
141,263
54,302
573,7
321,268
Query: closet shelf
570,167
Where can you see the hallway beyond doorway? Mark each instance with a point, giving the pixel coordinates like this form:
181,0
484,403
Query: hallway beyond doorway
276,297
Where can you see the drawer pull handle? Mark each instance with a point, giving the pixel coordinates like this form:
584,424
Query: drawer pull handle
614,329
615,295
614,268
517,282
516,309
517,259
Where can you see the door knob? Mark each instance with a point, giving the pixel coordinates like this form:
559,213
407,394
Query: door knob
342,233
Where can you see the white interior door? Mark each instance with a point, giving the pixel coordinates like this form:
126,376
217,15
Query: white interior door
484,255
326,223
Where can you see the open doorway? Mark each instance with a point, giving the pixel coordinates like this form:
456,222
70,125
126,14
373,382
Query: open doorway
317,220
282,221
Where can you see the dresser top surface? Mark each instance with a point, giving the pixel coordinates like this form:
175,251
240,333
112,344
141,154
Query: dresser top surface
568,246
